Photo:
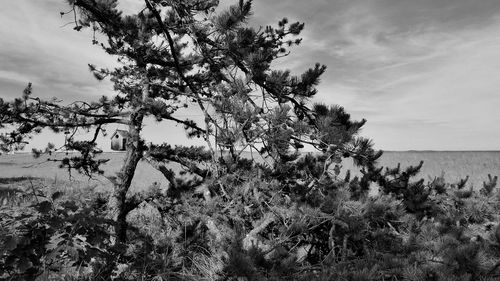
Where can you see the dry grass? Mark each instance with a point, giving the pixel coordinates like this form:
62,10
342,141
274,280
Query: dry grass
24,165
20,191
454,164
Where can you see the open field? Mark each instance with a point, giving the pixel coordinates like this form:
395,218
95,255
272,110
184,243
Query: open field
455,165
24,165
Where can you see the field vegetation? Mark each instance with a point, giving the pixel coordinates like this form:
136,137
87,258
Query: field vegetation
452,165
252,229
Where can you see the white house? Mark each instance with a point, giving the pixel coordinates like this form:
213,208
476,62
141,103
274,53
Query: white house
119,140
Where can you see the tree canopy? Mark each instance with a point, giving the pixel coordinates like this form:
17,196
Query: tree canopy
178,54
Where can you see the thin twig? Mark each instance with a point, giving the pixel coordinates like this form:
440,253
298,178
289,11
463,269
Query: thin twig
34,192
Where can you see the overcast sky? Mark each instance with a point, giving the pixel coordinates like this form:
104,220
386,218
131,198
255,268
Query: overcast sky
424,73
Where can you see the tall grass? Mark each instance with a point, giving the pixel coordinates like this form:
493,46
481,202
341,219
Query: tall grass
456,165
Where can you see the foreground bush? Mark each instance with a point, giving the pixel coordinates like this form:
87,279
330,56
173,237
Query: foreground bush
256,225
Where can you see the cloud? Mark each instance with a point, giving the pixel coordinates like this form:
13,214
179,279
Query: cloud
38,48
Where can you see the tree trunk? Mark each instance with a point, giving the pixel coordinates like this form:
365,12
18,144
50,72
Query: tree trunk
117,204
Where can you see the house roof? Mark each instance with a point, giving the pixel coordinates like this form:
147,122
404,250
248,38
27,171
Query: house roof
122,133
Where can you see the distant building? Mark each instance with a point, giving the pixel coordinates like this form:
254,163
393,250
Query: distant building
119,140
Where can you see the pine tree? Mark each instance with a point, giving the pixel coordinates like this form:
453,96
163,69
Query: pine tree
177,54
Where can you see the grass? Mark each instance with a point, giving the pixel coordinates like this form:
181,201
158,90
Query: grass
24,173
17,191
24,165
15,179
20,172
455,165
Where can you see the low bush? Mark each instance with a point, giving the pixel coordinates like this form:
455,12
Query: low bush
259,226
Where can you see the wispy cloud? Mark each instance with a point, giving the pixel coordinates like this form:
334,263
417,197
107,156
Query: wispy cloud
38,48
